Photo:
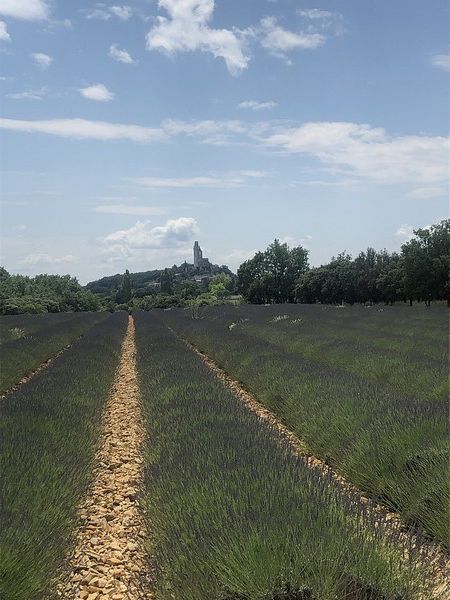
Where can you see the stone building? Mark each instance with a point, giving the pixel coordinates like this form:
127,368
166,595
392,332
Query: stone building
198,255
199,261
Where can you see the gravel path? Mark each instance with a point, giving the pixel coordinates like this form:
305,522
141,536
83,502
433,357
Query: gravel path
109,560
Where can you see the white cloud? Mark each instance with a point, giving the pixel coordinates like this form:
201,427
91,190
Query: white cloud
187,29
323,20
204,127
315,13
26,10
4,35
279,41
344,182
126,209
441,61
98,92
294,242
318,25
429,192
115,199
252,173
141,235
236,257
120,55
41,258
138,240
359,150
123,12
83,129
42,60
98,13
180,182
102,12
229,180
254,105
347,151
28,94
406,232
218,133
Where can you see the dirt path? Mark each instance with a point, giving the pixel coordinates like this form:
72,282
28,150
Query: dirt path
109,560
437,559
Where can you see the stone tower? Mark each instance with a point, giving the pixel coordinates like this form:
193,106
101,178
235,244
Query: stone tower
198,256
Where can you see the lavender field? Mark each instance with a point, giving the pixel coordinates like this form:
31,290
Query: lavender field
135,467
365,388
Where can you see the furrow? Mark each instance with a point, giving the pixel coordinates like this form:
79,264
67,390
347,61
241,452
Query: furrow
109,561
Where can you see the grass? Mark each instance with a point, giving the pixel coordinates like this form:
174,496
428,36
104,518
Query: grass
23,355
374,410
48,433
233,514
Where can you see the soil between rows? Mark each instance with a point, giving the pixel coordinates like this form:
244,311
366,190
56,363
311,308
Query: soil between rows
109,561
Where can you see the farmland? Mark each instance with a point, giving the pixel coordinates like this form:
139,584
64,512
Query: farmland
365,388
48,433
31,340
131,471
14,327
233,514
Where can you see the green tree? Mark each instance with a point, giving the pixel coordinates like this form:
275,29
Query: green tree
44,293
271,276
124,294
426,260
390,281
166,281
187,290
309,286
339,285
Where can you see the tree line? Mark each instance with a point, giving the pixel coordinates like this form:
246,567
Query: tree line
63,293
173,293
419,272
44,293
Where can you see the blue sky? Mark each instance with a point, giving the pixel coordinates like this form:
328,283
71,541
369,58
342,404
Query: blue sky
130,130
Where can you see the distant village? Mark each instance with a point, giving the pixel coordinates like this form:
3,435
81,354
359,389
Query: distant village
201,271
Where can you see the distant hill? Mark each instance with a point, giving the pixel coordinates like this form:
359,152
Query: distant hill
145,279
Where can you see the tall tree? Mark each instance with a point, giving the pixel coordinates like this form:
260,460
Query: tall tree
390,281
124,292
166,282
270,276
426,263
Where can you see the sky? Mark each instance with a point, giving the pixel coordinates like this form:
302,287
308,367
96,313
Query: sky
130,130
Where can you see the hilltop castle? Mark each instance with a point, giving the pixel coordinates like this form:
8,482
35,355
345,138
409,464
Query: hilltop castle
199,261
